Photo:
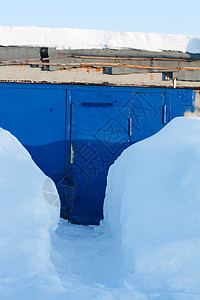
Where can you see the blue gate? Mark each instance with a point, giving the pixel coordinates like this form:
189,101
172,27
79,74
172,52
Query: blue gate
74,133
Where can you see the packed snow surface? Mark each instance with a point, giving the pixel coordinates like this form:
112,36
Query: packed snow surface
68,38
147,247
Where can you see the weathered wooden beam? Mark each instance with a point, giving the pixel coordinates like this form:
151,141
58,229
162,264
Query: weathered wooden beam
99,58
120,58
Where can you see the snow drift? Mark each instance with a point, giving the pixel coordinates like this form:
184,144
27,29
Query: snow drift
29,212
152,208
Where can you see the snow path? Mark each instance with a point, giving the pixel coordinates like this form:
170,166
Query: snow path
78,248
82,259
81,256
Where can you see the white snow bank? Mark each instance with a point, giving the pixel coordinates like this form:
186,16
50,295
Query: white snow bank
152,207
68,38
29,212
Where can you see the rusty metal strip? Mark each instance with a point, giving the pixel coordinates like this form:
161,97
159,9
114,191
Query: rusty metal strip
120,65
103,84
93,64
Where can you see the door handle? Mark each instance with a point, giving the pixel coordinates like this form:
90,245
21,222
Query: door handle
164,114
130,127
72,155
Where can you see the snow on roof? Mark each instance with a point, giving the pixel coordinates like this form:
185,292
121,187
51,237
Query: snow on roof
67,38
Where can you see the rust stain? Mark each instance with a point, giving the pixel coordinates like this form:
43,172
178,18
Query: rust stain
88,69
151,76
99,69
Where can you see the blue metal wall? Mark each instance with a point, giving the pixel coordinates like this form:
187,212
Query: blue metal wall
74,133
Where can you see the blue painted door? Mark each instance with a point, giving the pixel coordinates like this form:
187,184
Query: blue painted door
103,123
99,133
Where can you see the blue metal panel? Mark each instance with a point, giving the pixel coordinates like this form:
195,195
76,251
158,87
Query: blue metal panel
74,133
148,109
179,101
35,114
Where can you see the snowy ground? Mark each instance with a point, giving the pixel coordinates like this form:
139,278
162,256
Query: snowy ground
81,255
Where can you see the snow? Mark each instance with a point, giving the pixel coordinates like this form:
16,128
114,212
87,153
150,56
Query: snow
29,213
147,247
152,208
68,38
